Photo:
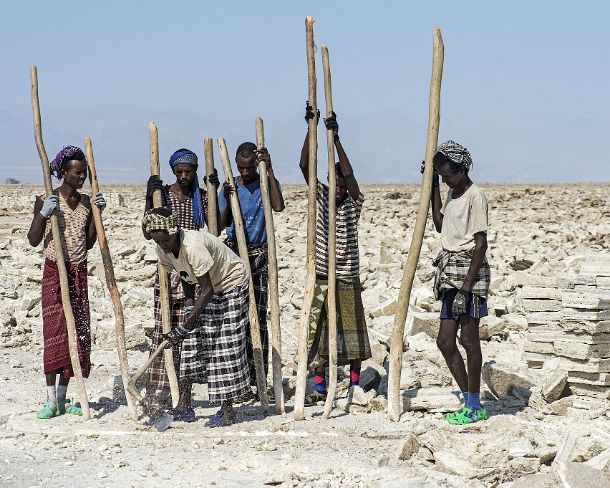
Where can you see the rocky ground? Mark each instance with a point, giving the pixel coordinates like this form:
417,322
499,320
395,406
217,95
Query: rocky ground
530,440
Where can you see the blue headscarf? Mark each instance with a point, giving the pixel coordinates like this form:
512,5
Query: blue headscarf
184,156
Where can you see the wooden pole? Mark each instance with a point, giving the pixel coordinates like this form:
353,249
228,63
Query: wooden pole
332,244
168,354
115,296
274,292
59,253
396,346
299,396
240,234
208,151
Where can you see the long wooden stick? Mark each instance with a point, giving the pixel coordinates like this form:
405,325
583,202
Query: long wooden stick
131,385
59,253
115,295
168,354
299,396
240,234
208,151
274,292
396,347
332,244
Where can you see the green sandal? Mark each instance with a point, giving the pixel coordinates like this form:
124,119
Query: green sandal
481,414
463,417
48,411
451,415
63,407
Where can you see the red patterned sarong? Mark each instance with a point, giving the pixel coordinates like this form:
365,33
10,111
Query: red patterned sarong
56,354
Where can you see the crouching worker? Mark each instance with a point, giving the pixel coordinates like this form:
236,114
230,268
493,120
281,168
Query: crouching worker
462,275
213,334
77,230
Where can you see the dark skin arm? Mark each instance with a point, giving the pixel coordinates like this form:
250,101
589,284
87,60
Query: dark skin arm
202,300
304,161
346,170
38,225
91,232
147,207
276,197
437,204
480,248
226,216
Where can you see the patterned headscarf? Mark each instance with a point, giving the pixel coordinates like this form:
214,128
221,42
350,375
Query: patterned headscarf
456,153
66,154
184,156
156,219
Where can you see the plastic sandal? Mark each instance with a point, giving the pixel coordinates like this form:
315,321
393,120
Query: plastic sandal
481,414
48,411
64,407
463,417
314,398
183,414
221,419
451,415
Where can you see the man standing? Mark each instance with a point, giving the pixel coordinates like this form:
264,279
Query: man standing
352,337
248,188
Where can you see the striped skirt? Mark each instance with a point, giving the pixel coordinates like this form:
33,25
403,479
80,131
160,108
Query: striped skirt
216,348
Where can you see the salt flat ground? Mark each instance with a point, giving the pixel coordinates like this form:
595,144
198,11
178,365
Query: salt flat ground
553,226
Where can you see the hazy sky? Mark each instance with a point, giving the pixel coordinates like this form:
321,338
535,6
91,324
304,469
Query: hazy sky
525,83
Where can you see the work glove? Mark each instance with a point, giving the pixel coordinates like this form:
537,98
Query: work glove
213,179
460,303
332,124
100,201
154,183
50,204
309,113
175,336
435,176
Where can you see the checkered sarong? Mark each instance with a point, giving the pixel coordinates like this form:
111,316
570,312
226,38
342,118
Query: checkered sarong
259,261
451,271
217,346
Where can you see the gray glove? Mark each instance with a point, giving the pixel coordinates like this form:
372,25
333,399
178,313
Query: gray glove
50,204
100,201
460,303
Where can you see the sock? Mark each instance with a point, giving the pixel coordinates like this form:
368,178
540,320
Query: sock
474,401
61,392
320,382
51,395
354,377
465,396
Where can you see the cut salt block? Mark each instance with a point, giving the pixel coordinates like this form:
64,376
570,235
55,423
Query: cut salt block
590,403
603,282
588,301
590,365
594,391
587,327
430,399
569,313
579,350
543,317
539,347
585,338
540,293
597,379
541,305
502,378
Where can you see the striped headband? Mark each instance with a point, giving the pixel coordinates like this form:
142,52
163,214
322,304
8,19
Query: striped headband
456,153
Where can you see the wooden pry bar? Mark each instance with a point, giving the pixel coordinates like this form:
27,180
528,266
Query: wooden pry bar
332,244
274,292
59,254
163,276
240,235
396,346
310,281
208,152
115,295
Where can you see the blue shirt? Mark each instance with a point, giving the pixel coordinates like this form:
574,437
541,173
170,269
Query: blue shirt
252,211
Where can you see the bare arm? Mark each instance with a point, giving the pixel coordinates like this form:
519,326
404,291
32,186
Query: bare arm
276,197
226,216
480,248
346,170
304,162
91,232
202,300
437,216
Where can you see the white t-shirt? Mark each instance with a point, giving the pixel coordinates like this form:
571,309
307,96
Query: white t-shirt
463,217
201,253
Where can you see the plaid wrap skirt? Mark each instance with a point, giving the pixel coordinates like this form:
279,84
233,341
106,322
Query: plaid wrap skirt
216,347
259,267
352,335
451,271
